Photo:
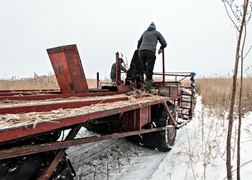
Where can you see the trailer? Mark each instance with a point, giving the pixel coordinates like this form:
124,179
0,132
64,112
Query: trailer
32,121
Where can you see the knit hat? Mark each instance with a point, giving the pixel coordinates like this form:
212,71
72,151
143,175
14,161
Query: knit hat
121,60
152,25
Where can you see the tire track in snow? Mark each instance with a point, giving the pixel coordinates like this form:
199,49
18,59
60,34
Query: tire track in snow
144,166
114,159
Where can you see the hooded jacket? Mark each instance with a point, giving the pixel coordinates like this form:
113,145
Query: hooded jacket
149,39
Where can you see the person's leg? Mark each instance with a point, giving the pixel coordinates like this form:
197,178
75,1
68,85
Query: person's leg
113,80
148,58
143,58
151,58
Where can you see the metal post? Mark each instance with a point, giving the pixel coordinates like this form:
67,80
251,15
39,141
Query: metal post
118,71
163,61
97,80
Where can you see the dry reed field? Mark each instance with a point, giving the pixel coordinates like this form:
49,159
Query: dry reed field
202,143
37,83
215,92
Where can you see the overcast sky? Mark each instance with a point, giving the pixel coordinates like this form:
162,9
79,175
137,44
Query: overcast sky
199,34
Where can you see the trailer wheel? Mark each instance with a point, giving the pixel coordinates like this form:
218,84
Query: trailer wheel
106,125
160,140
32,166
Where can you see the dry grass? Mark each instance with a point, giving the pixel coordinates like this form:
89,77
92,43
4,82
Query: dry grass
33,83
37,83
216,93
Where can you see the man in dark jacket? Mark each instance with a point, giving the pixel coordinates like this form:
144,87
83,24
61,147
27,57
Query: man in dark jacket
113,70
147,48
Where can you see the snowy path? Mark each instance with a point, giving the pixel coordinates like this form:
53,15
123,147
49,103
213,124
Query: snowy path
114,159
198,153
120,159
144,166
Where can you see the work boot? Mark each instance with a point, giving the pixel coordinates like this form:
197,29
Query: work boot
153,91
148,85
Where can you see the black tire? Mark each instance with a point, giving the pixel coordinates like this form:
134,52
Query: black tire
160,140
107,125
32,166
64,170
101,128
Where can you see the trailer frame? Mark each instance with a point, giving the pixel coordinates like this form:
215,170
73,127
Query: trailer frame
136,114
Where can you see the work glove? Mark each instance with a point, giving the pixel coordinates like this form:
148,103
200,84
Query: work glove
159,51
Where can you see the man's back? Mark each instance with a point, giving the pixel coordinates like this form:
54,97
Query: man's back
113,71
149,40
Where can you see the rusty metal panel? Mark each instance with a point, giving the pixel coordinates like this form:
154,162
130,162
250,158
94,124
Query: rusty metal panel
123,88
16,132
135,120
22,131
169,91
129,120
37,148
68,69
53,106
145,117
50,96
60,67
175,84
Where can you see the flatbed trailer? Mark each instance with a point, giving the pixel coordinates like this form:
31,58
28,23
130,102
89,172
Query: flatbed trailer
31,121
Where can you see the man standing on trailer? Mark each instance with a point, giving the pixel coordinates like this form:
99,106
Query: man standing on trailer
147,49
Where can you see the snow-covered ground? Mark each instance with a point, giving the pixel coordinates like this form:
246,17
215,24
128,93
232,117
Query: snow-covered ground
199,153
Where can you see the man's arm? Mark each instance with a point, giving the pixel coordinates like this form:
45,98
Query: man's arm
162,41
123,68
139,42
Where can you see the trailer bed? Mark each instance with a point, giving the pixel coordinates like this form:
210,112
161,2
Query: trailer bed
32,121
18,125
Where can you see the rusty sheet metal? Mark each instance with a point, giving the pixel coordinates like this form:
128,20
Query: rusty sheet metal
25,93
29,90
59,123
129,120
170,91
44,106
25,90
50,96
54,106
68,69
135,120
31,149
122,88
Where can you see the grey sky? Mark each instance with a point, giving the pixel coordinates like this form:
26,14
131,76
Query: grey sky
199,34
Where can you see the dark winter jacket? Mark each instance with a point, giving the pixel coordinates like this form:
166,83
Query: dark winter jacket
113,70
149,40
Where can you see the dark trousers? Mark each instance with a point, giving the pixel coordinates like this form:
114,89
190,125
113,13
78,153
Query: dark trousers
148,59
